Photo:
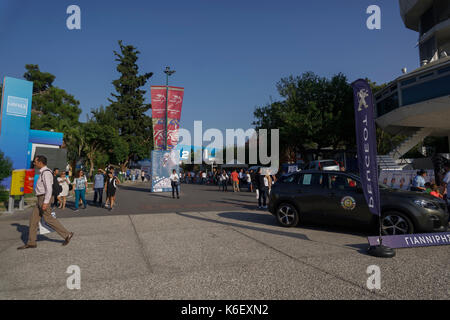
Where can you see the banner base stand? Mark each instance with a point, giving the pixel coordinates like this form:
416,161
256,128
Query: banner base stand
381,251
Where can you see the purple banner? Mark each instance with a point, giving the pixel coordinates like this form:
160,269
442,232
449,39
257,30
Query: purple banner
366,143
412,240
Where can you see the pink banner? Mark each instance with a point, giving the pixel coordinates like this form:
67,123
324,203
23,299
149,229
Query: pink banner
159,115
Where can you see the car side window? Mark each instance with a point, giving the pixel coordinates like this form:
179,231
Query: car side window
290,179
341,182
311,180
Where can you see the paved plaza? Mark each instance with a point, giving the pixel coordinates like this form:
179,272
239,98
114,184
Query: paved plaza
206,245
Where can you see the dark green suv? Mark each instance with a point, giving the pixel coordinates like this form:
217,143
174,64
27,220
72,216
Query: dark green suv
337,198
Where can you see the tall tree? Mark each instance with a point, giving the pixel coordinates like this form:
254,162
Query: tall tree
128,105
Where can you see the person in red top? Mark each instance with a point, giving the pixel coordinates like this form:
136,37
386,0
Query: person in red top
435,191
235,179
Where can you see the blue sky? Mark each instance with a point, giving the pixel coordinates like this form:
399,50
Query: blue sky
228,55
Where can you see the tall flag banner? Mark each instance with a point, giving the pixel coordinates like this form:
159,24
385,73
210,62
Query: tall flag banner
160,116
158,96
176,96
366,143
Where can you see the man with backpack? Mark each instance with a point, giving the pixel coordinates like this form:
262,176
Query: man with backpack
44,192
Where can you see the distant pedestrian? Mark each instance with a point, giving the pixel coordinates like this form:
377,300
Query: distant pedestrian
99,183
419,181
249,181
143,175
223,180
44,191
80,186
435,191
58,190
203,177
235,179
111,187
64,182
263,186
175,182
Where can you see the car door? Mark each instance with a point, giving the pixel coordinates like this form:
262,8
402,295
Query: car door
311,192
345,203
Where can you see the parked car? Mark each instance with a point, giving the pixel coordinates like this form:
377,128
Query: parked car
330,165
337,198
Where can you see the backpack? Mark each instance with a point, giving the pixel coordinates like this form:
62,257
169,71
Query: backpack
56,187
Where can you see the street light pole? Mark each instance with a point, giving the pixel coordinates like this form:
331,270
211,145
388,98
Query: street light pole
168,73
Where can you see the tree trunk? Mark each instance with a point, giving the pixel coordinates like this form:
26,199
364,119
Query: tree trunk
91,163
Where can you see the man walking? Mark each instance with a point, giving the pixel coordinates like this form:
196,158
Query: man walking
99,182
44,192
235,179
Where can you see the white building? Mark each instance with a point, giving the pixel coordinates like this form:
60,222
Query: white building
417,104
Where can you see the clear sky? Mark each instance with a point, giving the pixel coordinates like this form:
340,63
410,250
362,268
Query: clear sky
228,54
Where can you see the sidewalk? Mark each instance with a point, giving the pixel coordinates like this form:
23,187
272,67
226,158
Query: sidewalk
209,255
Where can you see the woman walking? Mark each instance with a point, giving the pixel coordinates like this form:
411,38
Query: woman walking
111,186
64,182
175,182
80,186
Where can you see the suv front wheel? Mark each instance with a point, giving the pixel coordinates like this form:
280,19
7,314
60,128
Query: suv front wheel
395,223
287,215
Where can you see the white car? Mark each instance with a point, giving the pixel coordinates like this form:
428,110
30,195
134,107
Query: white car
329,165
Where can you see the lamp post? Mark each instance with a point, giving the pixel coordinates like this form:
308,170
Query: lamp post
168,73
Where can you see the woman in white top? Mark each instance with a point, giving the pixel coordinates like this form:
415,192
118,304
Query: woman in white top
64,182
174,181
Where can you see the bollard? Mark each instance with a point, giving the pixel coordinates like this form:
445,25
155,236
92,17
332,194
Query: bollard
10,204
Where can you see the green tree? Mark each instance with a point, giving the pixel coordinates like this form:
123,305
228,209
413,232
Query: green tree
128,106
316,112
5,166
52,108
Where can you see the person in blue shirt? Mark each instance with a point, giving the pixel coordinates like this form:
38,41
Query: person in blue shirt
99,183
418,183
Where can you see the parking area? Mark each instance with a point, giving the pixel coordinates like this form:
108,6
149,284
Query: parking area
155,250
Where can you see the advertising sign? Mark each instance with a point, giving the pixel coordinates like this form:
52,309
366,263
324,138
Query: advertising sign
15,120
402,179
366,143
413,240
17,183
158,96
159,115
163,162
29,181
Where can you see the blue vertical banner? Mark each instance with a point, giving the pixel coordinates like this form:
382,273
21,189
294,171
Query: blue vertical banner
15,122
366,143
163,163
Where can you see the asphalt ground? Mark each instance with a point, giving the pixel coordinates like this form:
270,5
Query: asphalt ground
206,245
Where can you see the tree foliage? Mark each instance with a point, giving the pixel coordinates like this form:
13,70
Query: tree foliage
315,112
128,106
5,166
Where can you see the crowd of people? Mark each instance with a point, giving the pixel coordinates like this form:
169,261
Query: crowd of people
258,181
439,191
105,181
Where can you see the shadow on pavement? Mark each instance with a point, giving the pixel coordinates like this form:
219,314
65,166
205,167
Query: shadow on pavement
24,234
251,217
140,189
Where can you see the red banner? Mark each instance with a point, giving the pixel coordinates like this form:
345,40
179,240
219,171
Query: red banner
159,115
